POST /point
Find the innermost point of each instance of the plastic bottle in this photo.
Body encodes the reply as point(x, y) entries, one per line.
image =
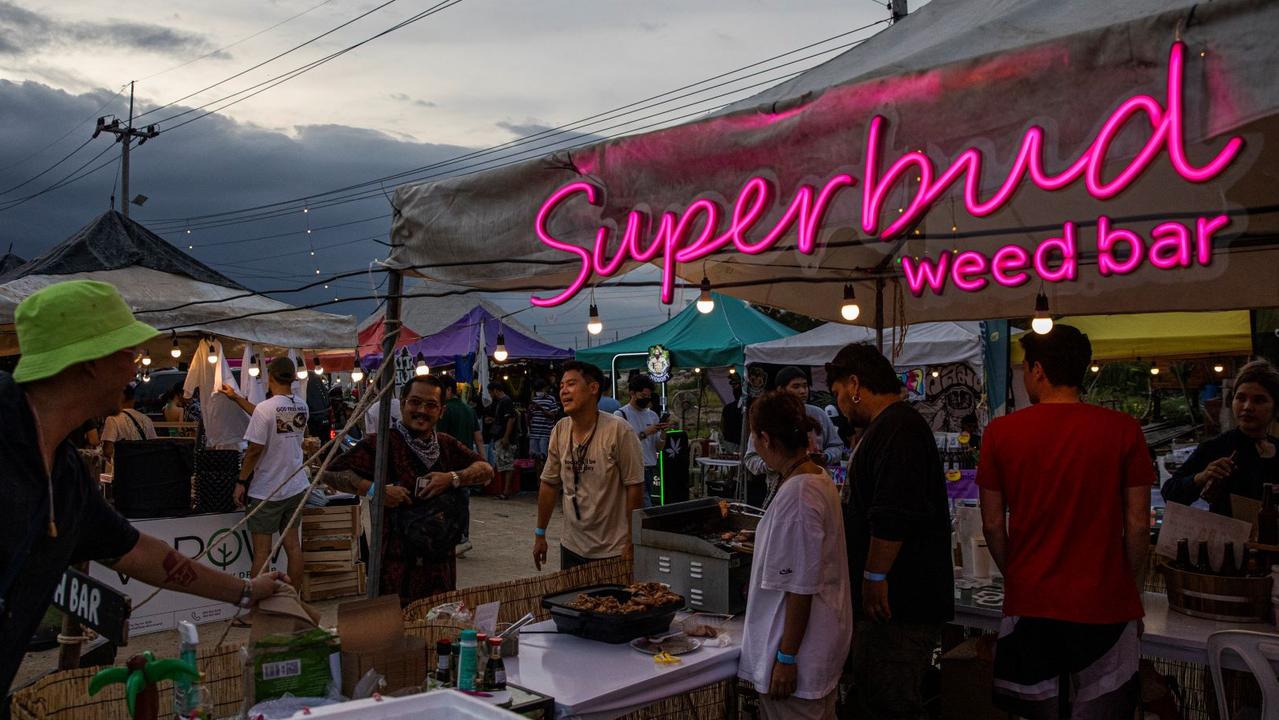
point(467, 665)
point(186, 697)
point(443, 656)
point(495, 669)
point(456, 660)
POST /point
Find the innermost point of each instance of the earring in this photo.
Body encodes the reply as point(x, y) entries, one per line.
point(857, 399)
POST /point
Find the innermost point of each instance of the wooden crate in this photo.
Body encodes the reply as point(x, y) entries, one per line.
point(331, 539)
point(323, 586)
point(340, 520)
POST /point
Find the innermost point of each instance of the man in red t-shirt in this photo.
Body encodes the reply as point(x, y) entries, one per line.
point(1075, 481)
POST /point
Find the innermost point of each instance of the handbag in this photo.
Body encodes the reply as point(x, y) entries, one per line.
point(429, 529)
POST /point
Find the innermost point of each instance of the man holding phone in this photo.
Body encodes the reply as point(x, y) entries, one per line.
point(647, 425)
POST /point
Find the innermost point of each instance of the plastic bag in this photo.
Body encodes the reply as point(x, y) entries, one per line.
point(456, 612)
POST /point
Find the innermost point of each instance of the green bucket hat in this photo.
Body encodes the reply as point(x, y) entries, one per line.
point(73, 322)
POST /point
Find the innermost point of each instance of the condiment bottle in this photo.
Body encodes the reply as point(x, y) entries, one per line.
point(495, 670)
point(444, 656)
point(481, 657)
point(455, 662)
point(467, 665)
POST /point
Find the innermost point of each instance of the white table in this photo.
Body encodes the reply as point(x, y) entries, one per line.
point(597, 681)
point(718, 462)
point(1169, 635)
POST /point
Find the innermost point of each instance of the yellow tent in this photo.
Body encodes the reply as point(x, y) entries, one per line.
point(1151, 335)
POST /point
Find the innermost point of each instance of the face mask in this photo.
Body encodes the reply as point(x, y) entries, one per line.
point(643, 403)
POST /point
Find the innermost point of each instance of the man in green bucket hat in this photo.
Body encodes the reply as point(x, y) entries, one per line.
point(80, 345)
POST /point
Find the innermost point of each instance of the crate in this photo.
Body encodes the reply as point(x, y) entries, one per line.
point(335, 521)
point(1229, 599)
point(325, 586)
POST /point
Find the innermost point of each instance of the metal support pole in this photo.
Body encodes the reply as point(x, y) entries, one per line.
point(879, 314)
point(390, 326)
point(124, 158)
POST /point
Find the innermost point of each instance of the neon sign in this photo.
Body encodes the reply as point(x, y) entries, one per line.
point(694, 233)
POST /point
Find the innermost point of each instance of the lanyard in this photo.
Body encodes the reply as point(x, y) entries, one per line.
point(577, 460)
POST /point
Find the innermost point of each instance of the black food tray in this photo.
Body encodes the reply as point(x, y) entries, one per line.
point(615, 629)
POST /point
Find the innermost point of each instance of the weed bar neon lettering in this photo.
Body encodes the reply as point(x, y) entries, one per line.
point(691, 235)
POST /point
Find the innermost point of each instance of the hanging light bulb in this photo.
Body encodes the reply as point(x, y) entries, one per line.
point(421, 368)
point(850, 309)
point(301, 368)
point(357, 372)
point(506, 377)
point(254, 370)
point(175, 352)
point(1095, 368)
point(213, 353)
point(705, 303)
point(146, 376)
point(146, 358)
point(1042, 323)
point(936, 373)
point(499, 353)
point(1154, 368)
point(1218, 368)
point(732, 371)
point(319, 368)
point(595, 326)
point(697, 370)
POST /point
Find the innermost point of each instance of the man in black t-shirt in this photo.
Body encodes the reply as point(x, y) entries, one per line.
point(897, 526)
point(79, 344)
point(499, 433)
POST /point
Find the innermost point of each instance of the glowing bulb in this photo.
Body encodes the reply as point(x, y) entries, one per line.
point(499, 353)
point(849, 310)
point(1154, 369)
point(936, 373)
point(175, 352)
point(1095, 368)
point(319, 369)
point(421, 368)
point(146, 376)
point(213, 354)
point(595, 326)
point(190, 247)
point(1219, 368)
point(301, 369)
point(506, 377)
point(317, 271)
point(146, 358)
point(254, 370)
point(705, 303)
point(732, 371)
point(357, 374)
point(697, 370)
point(1042, 324)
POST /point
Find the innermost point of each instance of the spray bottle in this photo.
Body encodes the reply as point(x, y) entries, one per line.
point(186, 696)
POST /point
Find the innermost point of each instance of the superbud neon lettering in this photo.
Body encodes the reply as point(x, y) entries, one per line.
point(694, 233)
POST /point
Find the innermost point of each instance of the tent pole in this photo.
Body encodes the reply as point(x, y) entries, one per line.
point(390, 328)
point(879, 314)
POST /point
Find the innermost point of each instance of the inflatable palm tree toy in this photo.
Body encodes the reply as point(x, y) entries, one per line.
point(140, 677)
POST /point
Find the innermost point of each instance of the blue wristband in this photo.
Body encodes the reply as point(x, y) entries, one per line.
point(372, 487)
point(540, 532)
point(785, 659)
point(874, 577)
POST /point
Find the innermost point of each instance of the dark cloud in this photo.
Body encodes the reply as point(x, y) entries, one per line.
point(401, 97)
point(24, 32)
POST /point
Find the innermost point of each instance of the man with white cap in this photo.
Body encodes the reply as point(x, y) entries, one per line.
point(80, 345)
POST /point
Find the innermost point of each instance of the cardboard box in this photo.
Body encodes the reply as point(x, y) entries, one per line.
point(374, 639)
point(967, 680)
point(288, 653)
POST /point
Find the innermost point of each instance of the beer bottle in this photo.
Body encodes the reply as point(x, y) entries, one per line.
point(1228, 566)
point(1202, 563)
point(1252, 566)
point(1183, 555)
point(1268, 518)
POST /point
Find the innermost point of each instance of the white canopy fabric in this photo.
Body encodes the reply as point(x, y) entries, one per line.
point(954, 76)
point(924, 344)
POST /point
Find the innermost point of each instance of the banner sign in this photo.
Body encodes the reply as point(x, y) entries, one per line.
point(659, 364)
point(95, 605)
point(189, 536)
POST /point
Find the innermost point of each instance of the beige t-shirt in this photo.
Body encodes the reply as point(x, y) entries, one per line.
point(612, 461)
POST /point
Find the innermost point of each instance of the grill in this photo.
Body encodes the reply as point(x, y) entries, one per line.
point(680, 545)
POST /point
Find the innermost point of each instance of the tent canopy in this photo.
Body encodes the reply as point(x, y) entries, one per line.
point(955, 80)
point(10, 262)
point(169, 290)
point(716, 339)
point(1128, 337)
point(936, 343)
point(462, 338)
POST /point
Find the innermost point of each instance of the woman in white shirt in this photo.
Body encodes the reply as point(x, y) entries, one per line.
point(799, 621)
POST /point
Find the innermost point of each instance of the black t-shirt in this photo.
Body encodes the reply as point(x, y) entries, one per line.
point(1252, 471)
point(496, 417)
point(88, 528)
point(897, 492)
point(731, 423)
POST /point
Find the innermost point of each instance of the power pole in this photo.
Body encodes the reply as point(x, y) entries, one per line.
point(898, 9)
point(124, 136)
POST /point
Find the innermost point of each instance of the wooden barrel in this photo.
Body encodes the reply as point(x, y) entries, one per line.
point(1230, 599)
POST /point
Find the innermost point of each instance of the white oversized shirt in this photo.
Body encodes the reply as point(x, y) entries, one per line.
point(799, 548)
point(278, 425)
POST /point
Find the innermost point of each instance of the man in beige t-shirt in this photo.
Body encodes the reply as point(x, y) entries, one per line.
point(595, 469)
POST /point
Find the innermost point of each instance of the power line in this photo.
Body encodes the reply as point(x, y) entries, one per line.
point(64, 135)
point(66, 180)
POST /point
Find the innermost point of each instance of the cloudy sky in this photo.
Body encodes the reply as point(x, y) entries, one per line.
point(469, 76)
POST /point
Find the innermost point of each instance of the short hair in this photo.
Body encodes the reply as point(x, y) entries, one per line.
point(873, 370)
point(591, 372)
point(641, 382)
point(500, 387)
point(784, 417)
point(1262, 373)
point(539, 385)
point(1063, 352)
point(788, 375)
point(434, 381)
point(129, 391)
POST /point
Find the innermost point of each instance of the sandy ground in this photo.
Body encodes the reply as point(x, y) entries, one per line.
point(502, 535)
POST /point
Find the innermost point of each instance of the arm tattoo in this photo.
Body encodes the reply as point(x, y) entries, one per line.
point(179, 571)
point(342, 480)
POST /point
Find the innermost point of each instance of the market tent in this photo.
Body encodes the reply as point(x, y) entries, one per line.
point(170, 290)
point(1152, 335)
point(10, 262)
point(716, 339)
point(954, 76)
point(923, 344)
point(463, 337)
point(429, 308)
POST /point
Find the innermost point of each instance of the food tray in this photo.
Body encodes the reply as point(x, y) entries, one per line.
point(615, 629)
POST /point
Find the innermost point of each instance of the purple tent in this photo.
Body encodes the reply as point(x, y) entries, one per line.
point(462, 338)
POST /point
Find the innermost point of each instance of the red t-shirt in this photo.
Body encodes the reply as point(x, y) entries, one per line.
point(1063, 470)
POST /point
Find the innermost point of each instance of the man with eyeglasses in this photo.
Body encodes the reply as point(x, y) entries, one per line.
point(79, 344)
point(424, 489)
point(595, 469)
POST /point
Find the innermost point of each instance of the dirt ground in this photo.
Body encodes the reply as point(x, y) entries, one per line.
point(502, 535)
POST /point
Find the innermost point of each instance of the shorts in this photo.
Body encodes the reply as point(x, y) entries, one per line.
point(539, 446)
point(793, 708)
point(1096, 664)
point(273, 517)
point(501, 458)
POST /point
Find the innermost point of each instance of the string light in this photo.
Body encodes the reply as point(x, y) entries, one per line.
point(1095, 368)
point(422, 368)
point(319, 368)
point(595, 326)
point(732, 371)
point(175, 352)
point(499, 353)
point(357, 372)
point(301, 368)
point(213, 353)
point(936, 373)
point(254, 369)
point(146, 376)
point(1154, 368)
point(705, 303)
point(1042, 323)
point(849, 310)
point(1218, 368)
point(697, 370)
point(146, 358)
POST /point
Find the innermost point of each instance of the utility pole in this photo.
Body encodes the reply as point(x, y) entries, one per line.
point(124, 136)
point(898, 9)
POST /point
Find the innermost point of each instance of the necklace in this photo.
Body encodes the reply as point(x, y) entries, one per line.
point(794, 466)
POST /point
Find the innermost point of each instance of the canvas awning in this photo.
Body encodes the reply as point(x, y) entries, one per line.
point(1156, 335)
point(695, 340)
point(462, 338)
point(924, 344)
point(951, 77)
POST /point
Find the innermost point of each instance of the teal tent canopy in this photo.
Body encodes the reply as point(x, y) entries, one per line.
point(716, 339)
